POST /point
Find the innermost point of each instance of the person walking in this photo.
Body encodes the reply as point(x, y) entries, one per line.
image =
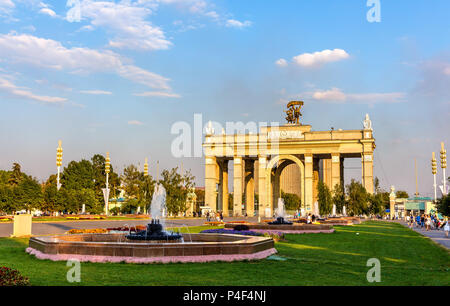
point(411, 222)
point(427, 222)
point(446, 227)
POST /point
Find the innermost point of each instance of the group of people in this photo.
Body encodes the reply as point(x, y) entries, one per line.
point(429, 222)
point(214, 216)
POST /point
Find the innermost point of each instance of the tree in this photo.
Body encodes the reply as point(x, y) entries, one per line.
point(131, 180)
point(339, 198)
point(28, 194)
point(16, 175)
point(401, 194)
point(357, 198)
point(324, 199)
point(99, 176)
point(376, 205)
point(50, 194)
point(291, 201)
point(78, 175)
point(443, 206)
point(177, 188)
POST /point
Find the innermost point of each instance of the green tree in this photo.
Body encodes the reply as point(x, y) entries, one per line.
point(99, 176)
point(291, 201)
point(401, 194)
point(131, 180)
point(339, 198)
point(78, 175)
point(28, 194)
point(324, 199)
point(443, 206)
point(357, 198)
point(15, 176)
point(177, 187)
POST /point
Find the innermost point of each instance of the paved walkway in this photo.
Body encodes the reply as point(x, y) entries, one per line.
point(435, 235)
point(49, 228)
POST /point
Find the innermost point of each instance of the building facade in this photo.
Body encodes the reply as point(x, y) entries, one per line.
point(260, 160)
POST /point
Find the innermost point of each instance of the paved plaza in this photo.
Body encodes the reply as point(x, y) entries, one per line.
point(435, 235)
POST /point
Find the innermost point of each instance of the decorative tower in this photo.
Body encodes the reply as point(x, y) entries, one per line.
point(146, 167)
point(106, 190)
point(434, 171)
point(59, 155)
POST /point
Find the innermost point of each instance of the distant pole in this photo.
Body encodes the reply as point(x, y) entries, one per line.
point(106, 191)
point(157, 171)
point(434, 171)
point(145, 175)
point(444, 166)
point(417, 184)
point(59, 155)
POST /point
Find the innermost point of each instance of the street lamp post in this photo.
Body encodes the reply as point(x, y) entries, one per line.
point(444, 166)
point(59, 155)
point(434, 171)
point(145, 175)
point(106, 190)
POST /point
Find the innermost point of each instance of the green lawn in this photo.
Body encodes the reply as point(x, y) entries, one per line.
point(406, 257)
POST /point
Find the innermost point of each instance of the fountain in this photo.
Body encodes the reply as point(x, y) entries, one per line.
point(279, 214)
point(155, 229)
point(153, 245)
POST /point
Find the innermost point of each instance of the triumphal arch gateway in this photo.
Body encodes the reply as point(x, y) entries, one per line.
point(291, 157)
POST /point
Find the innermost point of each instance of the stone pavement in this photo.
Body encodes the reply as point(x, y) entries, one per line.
point(49, 228)
point(435, 235)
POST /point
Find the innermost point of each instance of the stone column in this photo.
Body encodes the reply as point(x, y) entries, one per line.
point(250, 197)
point(262, 185)
point(335, 170)
point(210, 182)
point(224, 188)
point(237, 185)
point(367, 171)
point(308, 196)
point(315, 178)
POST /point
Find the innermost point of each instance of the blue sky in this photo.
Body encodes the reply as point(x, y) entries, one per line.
point(120, 77)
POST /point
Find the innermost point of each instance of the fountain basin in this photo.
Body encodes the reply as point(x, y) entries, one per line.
point(116, 248)
point(295, 228)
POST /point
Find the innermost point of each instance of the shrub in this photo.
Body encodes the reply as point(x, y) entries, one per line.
point(11, 277)
point(241, 227)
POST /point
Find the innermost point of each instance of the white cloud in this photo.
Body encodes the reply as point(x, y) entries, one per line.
point(337, 95)
point(281, 62)
point(321, 57)
point(159, 94)
point(6, 6)
point(47, 11)
point(29, 49)
point(128, 24)
point(232, 23)
point(135, 122)
point(22, 92)
point(96, 92)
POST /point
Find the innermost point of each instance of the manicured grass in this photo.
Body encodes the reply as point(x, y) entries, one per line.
point(406, 257)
